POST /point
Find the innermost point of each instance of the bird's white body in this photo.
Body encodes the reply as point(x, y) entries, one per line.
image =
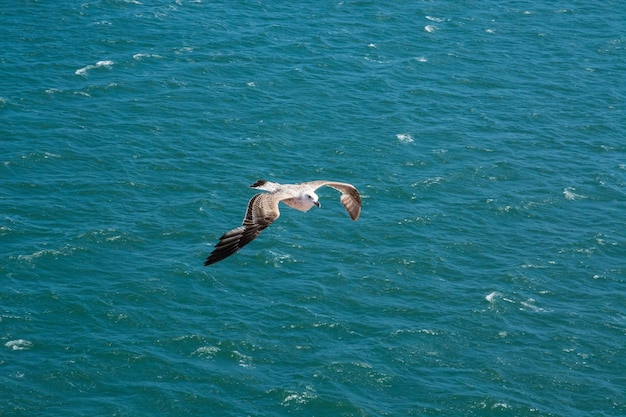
point(302, 198)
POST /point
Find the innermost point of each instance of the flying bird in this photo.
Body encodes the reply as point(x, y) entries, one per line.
point(263, 210)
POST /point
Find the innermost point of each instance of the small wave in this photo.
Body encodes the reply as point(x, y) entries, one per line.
point(140, 57)
point(494, 296)
point(99, 64)
point(55, 253)
point(569, 194)
point(529, 305)
point(244, 361)
point(280, 258)
point(435, 19)
point(490, 297)
point(430, 28)
point(206, 351)
point(405, 137)
point(299, 397)
point(428, 182)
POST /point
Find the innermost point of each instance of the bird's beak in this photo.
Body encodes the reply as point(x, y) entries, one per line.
point(317, 203)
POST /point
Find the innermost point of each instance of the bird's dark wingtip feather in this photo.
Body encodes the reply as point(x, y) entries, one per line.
point(220, 253)
point(232, 241)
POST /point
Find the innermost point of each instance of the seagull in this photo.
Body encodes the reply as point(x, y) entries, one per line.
point(263, 210)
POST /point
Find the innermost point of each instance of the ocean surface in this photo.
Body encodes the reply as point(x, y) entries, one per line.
point(485, 277)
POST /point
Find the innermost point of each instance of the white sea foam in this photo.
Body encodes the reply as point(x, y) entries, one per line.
point(435, 19)
point(19, 344)
point(430, 181)
point(206, 351)
point(430, 28)
point(490, 297)
point(494, 296)
point(244, 361)
point(38, 254)
point(300, 397)
point(99, 64)
point(65, 250)
point(404, 137)
point(139, 57)
point(569, 194)
point(530, 305)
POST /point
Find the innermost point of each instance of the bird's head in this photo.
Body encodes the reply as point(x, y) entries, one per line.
point(312, 199)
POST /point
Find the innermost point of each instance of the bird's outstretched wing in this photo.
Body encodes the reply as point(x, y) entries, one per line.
point(350, 197)
point(262, 211)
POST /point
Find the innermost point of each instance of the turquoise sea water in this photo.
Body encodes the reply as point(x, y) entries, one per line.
point(485, 277)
